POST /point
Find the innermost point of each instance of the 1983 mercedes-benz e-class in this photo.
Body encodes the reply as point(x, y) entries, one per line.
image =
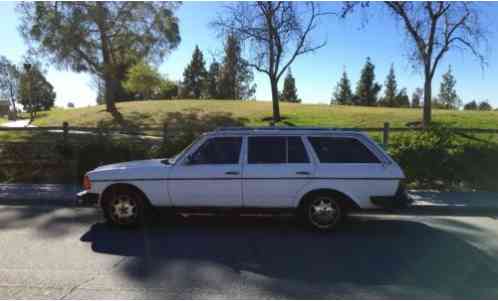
point(320, 174)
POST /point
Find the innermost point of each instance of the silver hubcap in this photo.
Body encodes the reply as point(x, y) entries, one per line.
point(323, 212)
point(123, 209)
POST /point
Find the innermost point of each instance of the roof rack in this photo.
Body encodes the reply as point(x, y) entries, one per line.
point(275, 128)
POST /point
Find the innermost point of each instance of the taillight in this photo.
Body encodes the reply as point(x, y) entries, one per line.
point(87, 185)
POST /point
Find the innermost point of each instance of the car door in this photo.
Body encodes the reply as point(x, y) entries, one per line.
point(210, 176)
point(276, 168)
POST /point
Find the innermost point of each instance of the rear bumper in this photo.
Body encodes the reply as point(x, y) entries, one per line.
point(400, 200)
point(87, 198)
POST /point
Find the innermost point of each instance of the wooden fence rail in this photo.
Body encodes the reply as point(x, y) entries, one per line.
point(66, 129)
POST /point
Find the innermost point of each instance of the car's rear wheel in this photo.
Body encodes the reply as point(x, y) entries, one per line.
point(322, 212)
point(124, 208)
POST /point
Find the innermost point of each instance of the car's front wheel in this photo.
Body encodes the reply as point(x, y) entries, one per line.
point(322, 212)
point(124, 208)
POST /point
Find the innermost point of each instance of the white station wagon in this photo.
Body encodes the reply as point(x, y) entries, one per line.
point(320, 174)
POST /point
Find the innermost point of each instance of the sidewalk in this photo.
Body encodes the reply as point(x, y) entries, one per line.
point(17, 123)
point(452, 203)
point(39, 194)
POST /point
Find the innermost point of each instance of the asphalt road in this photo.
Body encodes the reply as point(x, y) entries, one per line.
point(56, 252)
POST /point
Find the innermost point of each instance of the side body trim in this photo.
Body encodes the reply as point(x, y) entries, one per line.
point(224, 179)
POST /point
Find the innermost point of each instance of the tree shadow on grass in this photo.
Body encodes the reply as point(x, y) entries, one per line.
point(131, 121)
point(426, 262)
point(185, 120)
point(283, 120)
point(198, 120)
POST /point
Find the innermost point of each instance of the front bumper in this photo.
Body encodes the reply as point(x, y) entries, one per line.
point(87, 198)
point(400, 200)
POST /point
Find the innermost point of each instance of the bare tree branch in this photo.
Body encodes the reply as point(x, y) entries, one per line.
point(276, 34)
point(435, 29)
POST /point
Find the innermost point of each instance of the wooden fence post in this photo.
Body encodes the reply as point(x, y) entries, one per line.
point(385, 139)
point(65, 131)
point(165, 133)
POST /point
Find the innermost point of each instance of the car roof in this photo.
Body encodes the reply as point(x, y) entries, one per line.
point(284, 131)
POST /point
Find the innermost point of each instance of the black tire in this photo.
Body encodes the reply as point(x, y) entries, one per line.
point(322, 212)
point(125, 208)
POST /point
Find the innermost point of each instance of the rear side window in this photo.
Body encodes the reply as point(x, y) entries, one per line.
point(341, 150)
point(274, 150)
point(224, 150)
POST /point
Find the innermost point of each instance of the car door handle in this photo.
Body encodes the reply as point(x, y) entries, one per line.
point(233, 173)
point(302, 173)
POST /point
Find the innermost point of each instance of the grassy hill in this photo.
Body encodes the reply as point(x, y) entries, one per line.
point(252, 113)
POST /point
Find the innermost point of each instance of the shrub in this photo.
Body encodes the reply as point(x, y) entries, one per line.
point(439, 158)
point(426, 156)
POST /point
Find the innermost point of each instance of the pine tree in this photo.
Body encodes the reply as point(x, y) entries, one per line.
point(417, 97)
point(402, 99)
point(213, 79)
point(448, 98)
point(342, 94)
point(391, 90)
point(471, 106)
point(236, 76)
point(289, 92)
point(485, 106)
point(195, 76)
point(367, 89)
point(35, 92)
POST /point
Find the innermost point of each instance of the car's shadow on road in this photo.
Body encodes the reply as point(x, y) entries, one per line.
point(365, 251)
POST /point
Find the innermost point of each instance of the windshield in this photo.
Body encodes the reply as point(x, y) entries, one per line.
point(180, 154)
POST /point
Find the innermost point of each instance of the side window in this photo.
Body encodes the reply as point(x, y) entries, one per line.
point(277, 149)
point(266, 150)
point(222, 150)
point(341, 150)
point(296, 152)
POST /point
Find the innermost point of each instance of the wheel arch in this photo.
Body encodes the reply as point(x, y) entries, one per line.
point(343, 197)
point(122, 186)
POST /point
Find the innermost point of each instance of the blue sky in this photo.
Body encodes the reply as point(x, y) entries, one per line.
point(348, 44)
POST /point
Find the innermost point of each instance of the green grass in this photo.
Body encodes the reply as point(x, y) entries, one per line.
point(252, 113)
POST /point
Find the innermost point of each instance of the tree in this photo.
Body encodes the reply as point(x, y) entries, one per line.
point(402, 99)
point(213, 79)
point(367, 89)
point(167, 89)
point(70, 105)
point(9, 82)
point(342, 94)
point(485, 106)
point(434, 28)
point(195, 76)
point(102, 38)
point(289, 92)
point(236, 76)
point(35, 92)
point(417, 97)
point(276, 33)
point(448, 98)
point(143, 80)
point(471, 106)
point(391, 90)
